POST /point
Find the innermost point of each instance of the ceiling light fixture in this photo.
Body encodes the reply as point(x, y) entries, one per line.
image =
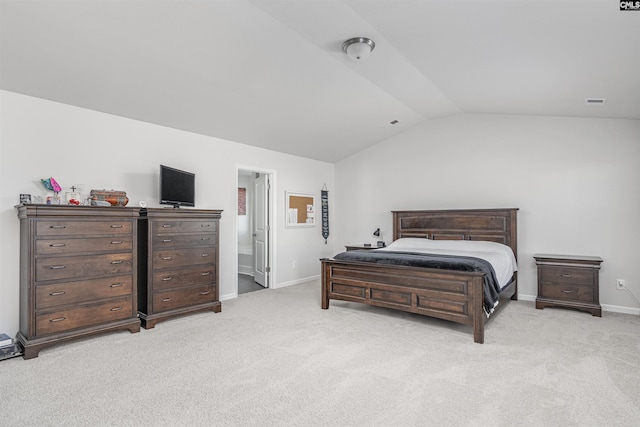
point(358, 48)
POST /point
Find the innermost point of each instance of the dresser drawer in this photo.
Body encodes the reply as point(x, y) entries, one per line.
point(568, 292)
point(566, 275)
point(179, 227)
point(59, 294)
point(76, 267)
point(93, 244)
point(163, 301)
point(70, 228)
point(183, 257)
point(82, 316)
point(161, 242)
point(170, 279)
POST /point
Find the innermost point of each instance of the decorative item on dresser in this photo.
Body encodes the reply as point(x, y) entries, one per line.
point(178, 271)
point(441, 292)
point(77, 273)
point(569, 281)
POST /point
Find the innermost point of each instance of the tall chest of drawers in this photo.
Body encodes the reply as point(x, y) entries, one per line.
point(77, 273)
point(179, 251)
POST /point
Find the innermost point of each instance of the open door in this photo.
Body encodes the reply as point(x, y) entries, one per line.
point(261, 230)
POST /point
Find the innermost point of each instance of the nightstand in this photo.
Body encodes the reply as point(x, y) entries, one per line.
point(569, 281)
point(357, 247)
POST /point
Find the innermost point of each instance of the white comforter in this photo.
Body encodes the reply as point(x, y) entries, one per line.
point(500, 256)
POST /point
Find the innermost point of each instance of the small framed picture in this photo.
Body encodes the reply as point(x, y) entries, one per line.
point(25, 199)
point(76, 197)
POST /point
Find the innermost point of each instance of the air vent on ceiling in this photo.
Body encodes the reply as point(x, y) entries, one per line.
point(391, 123)
point(595, 101)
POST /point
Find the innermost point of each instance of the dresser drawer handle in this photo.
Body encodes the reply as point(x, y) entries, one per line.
point(205, 293)
point(167, 225)
point(117, 242)
point(166, 279)
point(59, 319)
point(116, 225)
point(166, 240)
point(205, 255)
point(57, 267)
point(116, 308)
point(57, 245)
point(205, 238)
point(115, 285)
point(566, 275)
point(205, 225)
point(57, 226)
point(117, 261)
point(166, 299)
point(55, 294)
point(167, 258)
point(206, 273)
point(568, 291)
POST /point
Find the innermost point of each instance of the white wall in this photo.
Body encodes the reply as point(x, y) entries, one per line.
point(40, 139)
point(575, 181)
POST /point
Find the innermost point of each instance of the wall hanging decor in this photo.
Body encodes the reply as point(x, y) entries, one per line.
point(324, 198)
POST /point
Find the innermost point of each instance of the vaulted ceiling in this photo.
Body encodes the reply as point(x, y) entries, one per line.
point(271, 73)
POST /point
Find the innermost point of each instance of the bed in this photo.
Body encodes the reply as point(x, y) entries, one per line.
point(430, 288)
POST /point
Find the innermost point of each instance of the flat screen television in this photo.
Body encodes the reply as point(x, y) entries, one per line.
point(177, 187)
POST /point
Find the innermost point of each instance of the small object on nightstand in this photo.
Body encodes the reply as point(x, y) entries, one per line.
point(357, 247)
point(569, 281)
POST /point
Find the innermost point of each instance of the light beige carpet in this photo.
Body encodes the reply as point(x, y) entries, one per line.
point(274, 358)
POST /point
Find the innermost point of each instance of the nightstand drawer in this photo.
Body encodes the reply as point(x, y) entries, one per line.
point(567, 275)
point(568, 292)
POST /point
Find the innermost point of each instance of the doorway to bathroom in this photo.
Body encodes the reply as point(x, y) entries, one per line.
point(254, 230)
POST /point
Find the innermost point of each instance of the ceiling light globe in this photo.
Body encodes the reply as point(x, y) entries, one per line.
point(358, 48)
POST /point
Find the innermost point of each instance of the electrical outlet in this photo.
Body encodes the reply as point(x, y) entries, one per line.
point(620, 284)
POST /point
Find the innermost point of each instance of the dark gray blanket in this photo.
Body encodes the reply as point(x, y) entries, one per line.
point(443, 262)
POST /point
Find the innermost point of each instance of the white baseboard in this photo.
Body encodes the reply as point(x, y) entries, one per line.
point(245, 269)
point(526, 297)
point(296, 282)
point(228, 296)
point(619, 309)
point(605, 307)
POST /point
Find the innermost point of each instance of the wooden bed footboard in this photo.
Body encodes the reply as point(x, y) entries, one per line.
point(448, 295)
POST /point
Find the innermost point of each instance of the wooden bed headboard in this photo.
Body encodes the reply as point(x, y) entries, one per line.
point(496, 225)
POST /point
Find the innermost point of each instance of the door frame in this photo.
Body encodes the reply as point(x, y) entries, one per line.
point(273, 219)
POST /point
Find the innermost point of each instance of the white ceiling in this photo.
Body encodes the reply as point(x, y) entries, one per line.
point(271, 73)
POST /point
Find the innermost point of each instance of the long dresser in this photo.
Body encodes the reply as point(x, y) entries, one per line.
point(78, 273)
point(178, 271)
